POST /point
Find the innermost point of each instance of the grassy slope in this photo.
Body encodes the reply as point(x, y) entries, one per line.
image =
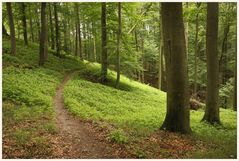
point(28, 116)
point(133, 111)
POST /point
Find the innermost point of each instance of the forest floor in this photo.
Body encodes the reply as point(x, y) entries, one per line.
point(82, 140)
point(62, 111)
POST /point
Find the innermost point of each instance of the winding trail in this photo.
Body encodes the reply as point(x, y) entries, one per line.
point(81, 140)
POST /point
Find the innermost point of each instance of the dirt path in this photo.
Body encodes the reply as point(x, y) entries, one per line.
point(81, 140)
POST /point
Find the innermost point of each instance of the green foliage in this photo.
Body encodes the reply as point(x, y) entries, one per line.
point(21, 137)
point(118, 136)
point(140, 110)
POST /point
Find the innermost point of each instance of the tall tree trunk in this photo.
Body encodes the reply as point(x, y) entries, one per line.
point(46, 39)
point(235, 82)
point(12, 29)
point(163, 70)
point(38, 25)
point(57, 31)
point(51, 28)
point(84, 38)
point(177, 117)
point(31, 26)
point(42, 35)
point(118, 46)
point(196, 52)
point(79, 32)
point(142, 58)
point(94, 41)
point(104, 62)
point(24, 22)
point(160, 50)
point(76, 40)
point(212, 110)
point(186, 34)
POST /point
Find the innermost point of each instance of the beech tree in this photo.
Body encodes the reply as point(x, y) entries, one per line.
point(12, 28)
point(43, 35)
point(57, 31)
point(24, 22)
point(177, 116)
point(212, 109)
point(118, 45)
point(104, 62)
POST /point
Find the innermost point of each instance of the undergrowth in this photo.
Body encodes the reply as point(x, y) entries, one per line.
point(129, 113)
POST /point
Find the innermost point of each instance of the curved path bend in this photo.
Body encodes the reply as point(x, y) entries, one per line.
point(82, 141)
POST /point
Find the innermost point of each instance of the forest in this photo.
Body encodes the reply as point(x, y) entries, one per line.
point(119, 80)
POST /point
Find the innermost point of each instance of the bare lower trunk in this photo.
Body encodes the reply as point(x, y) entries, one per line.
point(57, 31)
point(42, 35)
point(118, 46)
point(104, 62)
point(177, 117)
point(212, 110)
point(12, 29)
point(24, 23)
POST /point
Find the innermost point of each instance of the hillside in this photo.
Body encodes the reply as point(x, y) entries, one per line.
point(127, 118)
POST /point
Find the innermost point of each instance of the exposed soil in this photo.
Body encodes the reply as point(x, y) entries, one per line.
point(80, 137)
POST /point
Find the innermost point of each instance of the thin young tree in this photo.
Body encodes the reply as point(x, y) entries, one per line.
point(196, 50)
point(118, 46)
point(160, 48)
point(104, 62)
point(42, 35)
point(12, 29)
point(235, 82)
point(57, 30)
point(51, 28)
point(177, 116)
point(31, 23)
point(212, 110)
point(79, 31)
point(76, 39)
point(24, 22)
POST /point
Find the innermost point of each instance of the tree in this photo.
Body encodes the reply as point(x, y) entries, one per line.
point(118, 45)
point(57, 30)
point(12, 29)
point(196, 50)
point(177, 117)
point(79, 31)
point(51, 28)
point(104, 62)
point(160, 48)
point(42, 48)
point(31, 25)
point(212, 110)
point(24, 22)
point(235, 83)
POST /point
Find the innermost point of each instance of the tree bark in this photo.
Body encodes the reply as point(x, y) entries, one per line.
point(51, 28)
point(160, 50)
point(196, 52)
point(235, 83)
point(79, 32)
point(76, 40)
point(31, 26)
point(212, 110)
point(57, 31)
point(177, 117)
point(118, 46)
point(24, 23)
point(12, 29)
point(42, 35)
point(104, 62)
